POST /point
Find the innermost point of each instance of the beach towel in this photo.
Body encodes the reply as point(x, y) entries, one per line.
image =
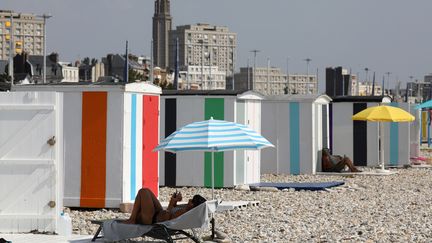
point(310, 186)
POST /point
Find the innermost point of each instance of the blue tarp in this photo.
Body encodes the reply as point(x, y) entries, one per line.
point(311, 186)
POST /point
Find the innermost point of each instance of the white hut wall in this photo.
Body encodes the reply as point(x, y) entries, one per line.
point(229, 170)
point(194, 168)
point(415, 130)
point(141, 136)
point(190, 164)
point(240, 163)
point(253, 157)
point(93, 131)
point(356, 139)
point(291, 127)
point(72, 152)
point(31, 168)
point(306, 137)
point(320, 136)
point(269, 121)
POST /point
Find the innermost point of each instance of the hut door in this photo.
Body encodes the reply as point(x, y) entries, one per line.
point(150, 163)
point(30, 154)
point(253, 120)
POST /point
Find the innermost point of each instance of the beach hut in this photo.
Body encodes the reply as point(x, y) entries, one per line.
point(415, 131)
point(179, 108)
point(110, 131)
point(298, 127)
point(31, 161)
point(359, 139)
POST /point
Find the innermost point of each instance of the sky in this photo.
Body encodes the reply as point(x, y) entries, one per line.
point(384, 36)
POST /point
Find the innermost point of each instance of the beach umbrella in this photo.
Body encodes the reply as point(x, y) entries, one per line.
point(383, 113)
point(426, 104)
point(213, 136)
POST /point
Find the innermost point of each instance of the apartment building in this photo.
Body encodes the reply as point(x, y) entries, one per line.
point(203, 45)
point(203, 78)
point(26, 30)
point(272, 81)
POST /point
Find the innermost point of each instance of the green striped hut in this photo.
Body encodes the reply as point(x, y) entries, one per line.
point(181, 107)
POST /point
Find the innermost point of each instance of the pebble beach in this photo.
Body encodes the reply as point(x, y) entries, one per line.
point(392, 208)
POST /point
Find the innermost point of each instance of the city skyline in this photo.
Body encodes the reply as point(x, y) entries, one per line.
point(385, 36)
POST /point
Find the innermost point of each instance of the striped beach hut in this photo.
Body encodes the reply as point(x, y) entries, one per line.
point(297, 126)
point(359, 139)
point(110, 131)
point(179, 108)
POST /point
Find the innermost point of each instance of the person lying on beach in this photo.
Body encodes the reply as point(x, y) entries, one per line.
point(148, 210)
point(336, 163)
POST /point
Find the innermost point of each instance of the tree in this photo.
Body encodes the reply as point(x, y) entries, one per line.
point(86, 61)
point(94, 61)
point(134, 75)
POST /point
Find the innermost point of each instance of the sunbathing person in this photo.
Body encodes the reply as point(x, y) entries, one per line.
point(148, 210)
point(336, 163)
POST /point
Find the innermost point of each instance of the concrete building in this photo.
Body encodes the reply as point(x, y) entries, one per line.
point(29, 68)
point(54, 73)
point(428, 78)
point(204, 45)
point(114, 65)
point(365, 89)
point(203, 78)
point(27, 30)
point(98, 70)
point(417, 92)
point(69, 72)
point(338, 81)
point(161, 27)
point(272, 81)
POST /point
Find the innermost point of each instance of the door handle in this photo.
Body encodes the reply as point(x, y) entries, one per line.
point(51, 141)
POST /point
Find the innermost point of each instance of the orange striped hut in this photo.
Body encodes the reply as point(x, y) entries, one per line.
point(110, 132)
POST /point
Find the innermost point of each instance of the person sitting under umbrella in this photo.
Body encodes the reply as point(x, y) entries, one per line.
point(148, 210)
point(336, 163)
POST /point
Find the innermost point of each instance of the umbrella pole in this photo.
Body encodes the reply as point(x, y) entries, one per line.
point(381, 132)
point(212, 220)
point(212, 175)
point(381, 144)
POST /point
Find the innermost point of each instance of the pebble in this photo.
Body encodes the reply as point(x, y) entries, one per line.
point(395, 208)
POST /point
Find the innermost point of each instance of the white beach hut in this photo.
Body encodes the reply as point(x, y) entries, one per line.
point(297, 126)
point(179, 108)
point(110, 131)
point(359, 139)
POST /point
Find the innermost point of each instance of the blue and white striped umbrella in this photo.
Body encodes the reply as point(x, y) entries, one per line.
point(213, 135)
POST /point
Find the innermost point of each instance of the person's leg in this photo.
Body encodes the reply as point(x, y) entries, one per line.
point(156, 203)
point(350, 165)
point(143, 209)
point(339, 166)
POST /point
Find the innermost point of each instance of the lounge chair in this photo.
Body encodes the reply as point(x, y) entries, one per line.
point(169, 231)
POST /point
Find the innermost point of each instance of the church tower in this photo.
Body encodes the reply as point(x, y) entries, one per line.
point(161, 27)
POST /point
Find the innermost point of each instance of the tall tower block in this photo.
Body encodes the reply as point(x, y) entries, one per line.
point(162, 21)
